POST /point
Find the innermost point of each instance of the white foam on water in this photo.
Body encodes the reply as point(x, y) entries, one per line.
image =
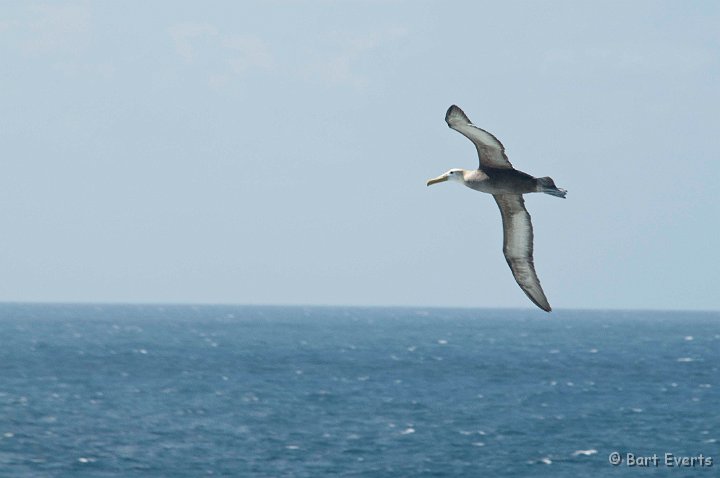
point(685, 359)
point(689, 337)
point(292, 447)
point(407, 431)
point(589, 452)
point(546, 460)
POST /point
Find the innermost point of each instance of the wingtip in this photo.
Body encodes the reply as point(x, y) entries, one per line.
point(541, 302)
point(542, 305)
point(454, 113)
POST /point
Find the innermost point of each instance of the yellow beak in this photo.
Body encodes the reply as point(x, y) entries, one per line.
point(438, 179)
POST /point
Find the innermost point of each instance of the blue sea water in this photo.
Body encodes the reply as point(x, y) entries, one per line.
point(182, 391)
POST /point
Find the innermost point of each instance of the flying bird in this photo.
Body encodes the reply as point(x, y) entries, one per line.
point(497, 176)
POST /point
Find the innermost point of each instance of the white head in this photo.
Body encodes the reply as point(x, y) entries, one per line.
point(455, 174)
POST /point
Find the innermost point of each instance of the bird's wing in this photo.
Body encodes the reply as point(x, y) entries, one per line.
point(518, 246)
point(489, 148)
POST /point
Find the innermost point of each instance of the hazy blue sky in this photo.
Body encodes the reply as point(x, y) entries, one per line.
point(276, 152)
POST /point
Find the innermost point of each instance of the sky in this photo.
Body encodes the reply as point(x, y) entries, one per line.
point(276, 152)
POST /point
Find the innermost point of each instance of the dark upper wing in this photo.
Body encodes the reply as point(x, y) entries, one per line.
point(518, 246)
point(490, 150)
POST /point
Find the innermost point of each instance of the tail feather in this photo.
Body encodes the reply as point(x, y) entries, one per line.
point(547, 185)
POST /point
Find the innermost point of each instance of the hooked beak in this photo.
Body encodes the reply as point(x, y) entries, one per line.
point(438, 179)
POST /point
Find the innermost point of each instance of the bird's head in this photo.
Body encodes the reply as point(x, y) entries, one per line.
point(452, 175)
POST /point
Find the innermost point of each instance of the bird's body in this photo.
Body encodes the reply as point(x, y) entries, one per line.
point(500, 181)
point(496, 176)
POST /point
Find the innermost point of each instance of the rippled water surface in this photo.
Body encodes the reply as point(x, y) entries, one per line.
point(182, 391)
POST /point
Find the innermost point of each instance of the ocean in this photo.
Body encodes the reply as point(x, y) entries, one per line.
point(245, 391)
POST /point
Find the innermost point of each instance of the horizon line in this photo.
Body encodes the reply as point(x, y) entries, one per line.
point(346, 306)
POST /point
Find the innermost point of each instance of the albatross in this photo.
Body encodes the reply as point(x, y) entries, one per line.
point(496, 176)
